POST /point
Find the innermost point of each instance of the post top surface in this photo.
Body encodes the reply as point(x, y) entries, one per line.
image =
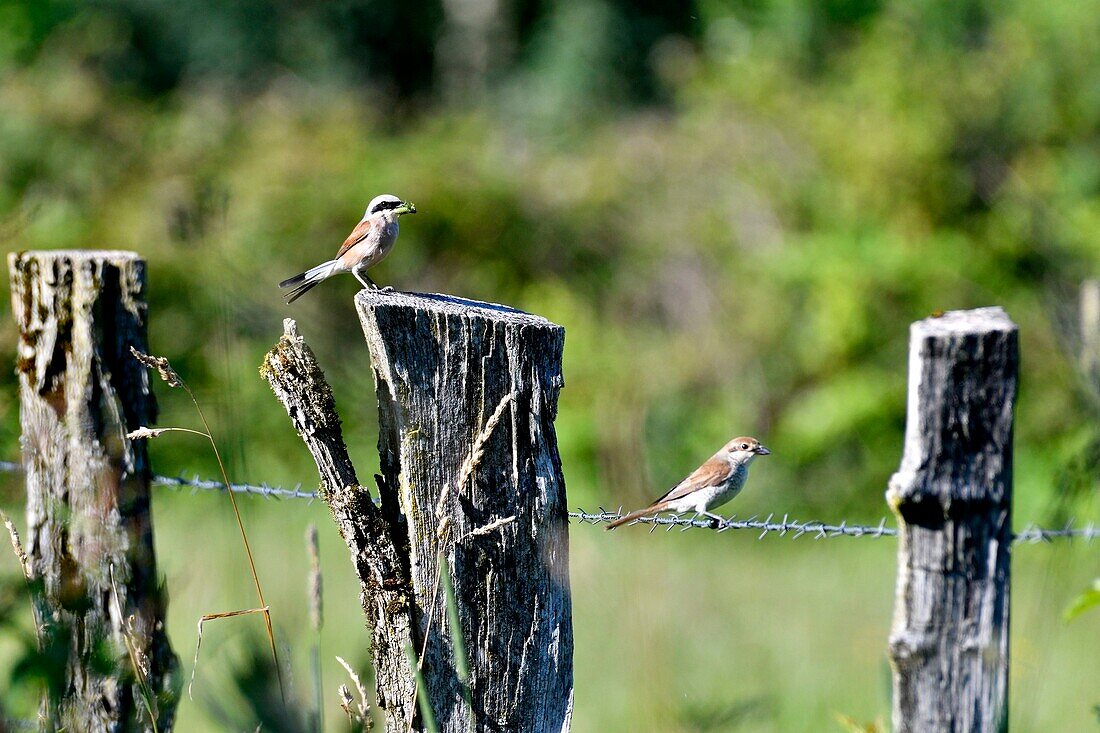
point(74, 254)
point(450, 305)
point(957, 323)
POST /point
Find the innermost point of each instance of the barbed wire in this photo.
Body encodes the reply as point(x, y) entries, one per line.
point(1030, 534)
point(766, 526)
point(265, 490)
point(818, 530)
point(197, 484)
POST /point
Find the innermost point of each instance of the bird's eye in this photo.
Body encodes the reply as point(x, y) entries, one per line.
point(744, 446)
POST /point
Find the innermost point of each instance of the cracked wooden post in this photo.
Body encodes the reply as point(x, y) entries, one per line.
point(467, 396)
point(90, 533)
point(376, 551)
point(953, 499)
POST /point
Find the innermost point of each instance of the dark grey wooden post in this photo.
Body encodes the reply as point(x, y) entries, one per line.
point(470, 473)
point(953, 499)
point(90, 533)
point(467, 396)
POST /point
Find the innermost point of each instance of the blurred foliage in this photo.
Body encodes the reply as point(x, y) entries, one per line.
point(1088, 599)
point(735, 208)
point(248, 695)
point(735, 240)
point(32, 671)
point(39, 654)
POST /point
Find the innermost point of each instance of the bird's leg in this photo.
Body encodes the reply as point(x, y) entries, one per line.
point(373, 285)
point(715, 517)
point(363, 282)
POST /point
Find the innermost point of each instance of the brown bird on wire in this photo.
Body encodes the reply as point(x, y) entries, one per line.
point(708, 487)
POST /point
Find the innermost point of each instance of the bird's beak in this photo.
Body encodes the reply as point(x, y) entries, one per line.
point(406, 207)
point(762, 451)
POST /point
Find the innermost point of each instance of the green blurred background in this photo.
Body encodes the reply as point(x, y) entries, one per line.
point(735, 208)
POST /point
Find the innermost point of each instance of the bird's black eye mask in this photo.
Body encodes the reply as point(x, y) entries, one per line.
point(383, 205)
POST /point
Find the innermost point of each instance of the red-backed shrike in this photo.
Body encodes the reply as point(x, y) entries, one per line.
point(366, 246)
point(710, 486)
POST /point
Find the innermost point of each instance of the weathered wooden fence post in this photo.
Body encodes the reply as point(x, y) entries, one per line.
point(1088, 321)
point(376, 551)
point(953, 499)
point(90, 534)
point(471, 482)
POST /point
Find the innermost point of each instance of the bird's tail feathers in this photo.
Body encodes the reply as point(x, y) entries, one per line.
point(304, 282)
point(648, 511)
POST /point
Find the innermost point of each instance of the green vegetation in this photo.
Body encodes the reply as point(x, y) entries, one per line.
point(735, 208)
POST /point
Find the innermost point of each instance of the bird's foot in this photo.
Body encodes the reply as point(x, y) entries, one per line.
point(716, 521)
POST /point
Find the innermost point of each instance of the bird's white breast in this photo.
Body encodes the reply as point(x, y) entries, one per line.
point(710, 497)
point(380, 241)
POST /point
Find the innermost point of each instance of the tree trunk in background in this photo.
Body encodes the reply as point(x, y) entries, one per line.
point(953, 499)
point(90, 534)
point(1089, 326)
point(475, 41)
point(467, 396)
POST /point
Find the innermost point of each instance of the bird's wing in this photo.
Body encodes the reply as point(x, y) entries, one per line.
point(711, 473)
point(357, 235)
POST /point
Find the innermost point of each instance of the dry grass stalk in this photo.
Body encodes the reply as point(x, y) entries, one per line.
point(17, 545)
point(169, 375)
point(214, 617)
point(358, 712)
point(138, 661)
